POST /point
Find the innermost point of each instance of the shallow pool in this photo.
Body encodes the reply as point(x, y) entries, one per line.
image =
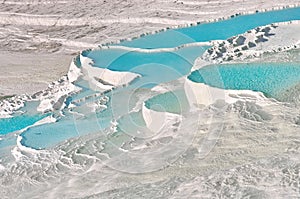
point(8, 125)
point(155, 68)
point(172, 102)
point(270, 78)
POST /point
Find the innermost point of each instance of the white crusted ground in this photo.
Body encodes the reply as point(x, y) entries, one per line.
point(255, 43)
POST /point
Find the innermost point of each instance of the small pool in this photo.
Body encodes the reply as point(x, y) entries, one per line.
point(272, 79)
point(155, 67)
point(172, 102)
point(8, 125)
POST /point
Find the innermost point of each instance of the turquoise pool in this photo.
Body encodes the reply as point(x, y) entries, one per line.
point(155, 67)
point(172, 102)
point(8, 125)
point(270, 78)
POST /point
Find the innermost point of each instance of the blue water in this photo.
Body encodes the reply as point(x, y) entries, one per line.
point(172, 102)
point(8, 125)
point(154, 67)
point(69, 125)
point(85, 91)
point(157, 68)
point(46, 136)
point(270, 78)
point(131, 123)
point(212, 31)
